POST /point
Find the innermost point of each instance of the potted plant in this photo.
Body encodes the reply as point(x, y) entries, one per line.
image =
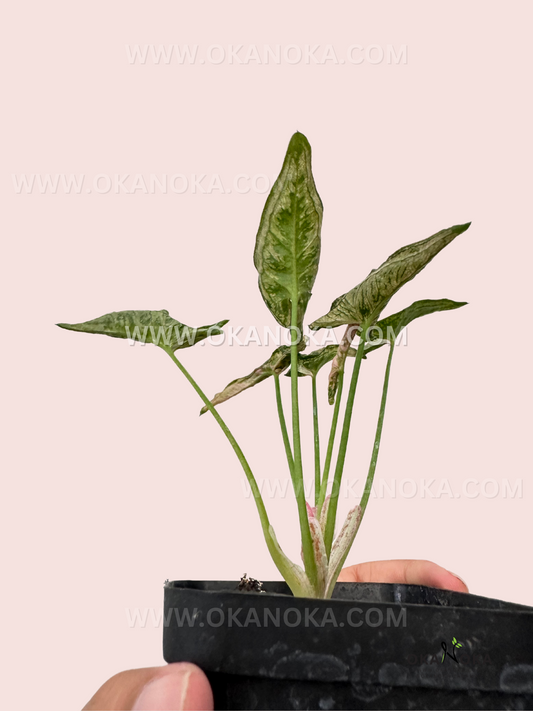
point(310, 642)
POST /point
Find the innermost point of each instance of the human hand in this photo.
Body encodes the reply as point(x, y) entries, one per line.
point(407, 572)
point(185, 686)
point(170, 688)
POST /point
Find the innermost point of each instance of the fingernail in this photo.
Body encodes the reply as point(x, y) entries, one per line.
point(459, 578)
point(165, 693)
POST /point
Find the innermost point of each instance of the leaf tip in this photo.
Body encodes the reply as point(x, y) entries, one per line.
point(462, 228)
point(299, 143)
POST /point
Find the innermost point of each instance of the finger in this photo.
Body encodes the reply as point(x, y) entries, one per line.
point(170, 688)
point(408, 572)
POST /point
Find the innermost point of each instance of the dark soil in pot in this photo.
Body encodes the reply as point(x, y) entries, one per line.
point(373, 646)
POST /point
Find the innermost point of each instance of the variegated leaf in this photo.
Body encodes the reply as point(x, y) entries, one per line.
point(156, 327)
point(276, 364)
point(287, 248)
point(311, 363)
point(364, 303)
point(388, 329)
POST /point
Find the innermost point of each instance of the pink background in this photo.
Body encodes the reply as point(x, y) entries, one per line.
point(111, 481)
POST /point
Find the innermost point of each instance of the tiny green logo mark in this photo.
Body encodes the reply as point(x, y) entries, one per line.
point(455, 645)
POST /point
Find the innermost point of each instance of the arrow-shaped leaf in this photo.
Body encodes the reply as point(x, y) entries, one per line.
point(276, 364)
point(364, 303)
point(287, 248)
point(388, 329)
point(156, 327)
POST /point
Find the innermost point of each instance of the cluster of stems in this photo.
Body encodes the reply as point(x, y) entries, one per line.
point(294, 451)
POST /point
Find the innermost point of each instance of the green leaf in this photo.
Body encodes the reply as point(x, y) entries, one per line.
point(155, 327)
point(458, 645)
point(287, 248)
point(311, 363)
point(388, 329)
point(277, 363)
point(364, 303)
point(454, 641)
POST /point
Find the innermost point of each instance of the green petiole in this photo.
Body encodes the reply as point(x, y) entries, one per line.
point(316, 438)
point(298, 479)
point(332, 509)
point(377, 439)
point(331, 443)
point(283, 425)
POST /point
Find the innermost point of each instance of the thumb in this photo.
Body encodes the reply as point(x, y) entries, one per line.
point(170, 688)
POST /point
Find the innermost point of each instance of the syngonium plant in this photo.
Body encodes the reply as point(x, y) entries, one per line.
point(286, 256)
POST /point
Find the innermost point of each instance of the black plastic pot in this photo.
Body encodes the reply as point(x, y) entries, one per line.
point(373, 646)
